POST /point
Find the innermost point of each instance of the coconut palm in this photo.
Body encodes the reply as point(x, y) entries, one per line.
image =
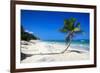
point(70, 28)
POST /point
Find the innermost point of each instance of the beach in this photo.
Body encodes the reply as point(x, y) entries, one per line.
point(41, 51)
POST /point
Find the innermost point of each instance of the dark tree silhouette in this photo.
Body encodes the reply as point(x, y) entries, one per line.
point(26, 36)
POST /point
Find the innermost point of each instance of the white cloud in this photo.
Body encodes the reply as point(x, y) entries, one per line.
point(29, 31)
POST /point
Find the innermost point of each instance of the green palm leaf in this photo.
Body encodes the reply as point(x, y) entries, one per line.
point(77, 25)
point(76, 29)
point(63, 30)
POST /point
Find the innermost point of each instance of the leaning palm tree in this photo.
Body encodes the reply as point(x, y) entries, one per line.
point(70, 28)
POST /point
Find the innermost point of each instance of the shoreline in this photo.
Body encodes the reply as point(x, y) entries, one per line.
point(44, 52)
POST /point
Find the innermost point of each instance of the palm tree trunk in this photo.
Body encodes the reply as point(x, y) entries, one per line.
point(70, 38)
point(67, 47)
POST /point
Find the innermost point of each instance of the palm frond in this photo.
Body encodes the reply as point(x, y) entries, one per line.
point(63, 30)
point(73, 19)
point(69, 23)
point(77, 25)
point(76, 29)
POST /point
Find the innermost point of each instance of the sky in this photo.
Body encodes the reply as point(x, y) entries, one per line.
point(46, 24)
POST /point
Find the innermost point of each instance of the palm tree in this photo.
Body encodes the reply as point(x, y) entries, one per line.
point(71, 27)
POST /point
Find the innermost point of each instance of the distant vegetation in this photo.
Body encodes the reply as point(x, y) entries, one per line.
point(27, 36)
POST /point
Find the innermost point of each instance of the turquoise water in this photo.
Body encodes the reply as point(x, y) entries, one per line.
point(83, 44)
point(79, 44)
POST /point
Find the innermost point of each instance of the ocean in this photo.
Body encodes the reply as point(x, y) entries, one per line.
point(79, 44)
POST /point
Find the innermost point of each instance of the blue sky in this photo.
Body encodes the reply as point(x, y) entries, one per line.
point(46, 24)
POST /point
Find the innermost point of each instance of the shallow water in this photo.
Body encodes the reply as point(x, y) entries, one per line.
point(79, 44)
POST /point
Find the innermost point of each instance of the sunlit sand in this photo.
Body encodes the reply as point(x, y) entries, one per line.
point(40, 51)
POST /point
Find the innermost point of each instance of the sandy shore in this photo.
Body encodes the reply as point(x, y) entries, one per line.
point(40, 51)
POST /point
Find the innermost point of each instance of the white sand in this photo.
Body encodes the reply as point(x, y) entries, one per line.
point(36, 48)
